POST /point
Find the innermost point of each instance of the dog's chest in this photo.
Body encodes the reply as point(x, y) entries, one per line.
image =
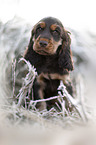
point(48, 65)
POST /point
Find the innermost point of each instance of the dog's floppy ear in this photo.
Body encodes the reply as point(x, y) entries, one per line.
point(30, 46)
point(65, 56)
point(31, 39)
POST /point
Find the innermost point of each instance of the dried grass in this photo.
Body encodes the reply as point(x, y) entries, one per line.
point(78, 113)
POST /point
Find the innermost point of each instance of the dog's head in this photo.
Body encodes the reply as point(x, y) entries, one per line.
point(49, 38)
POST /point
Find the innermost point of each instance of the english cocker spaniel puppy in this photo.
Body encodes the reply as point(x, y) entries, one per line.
point(49, 52)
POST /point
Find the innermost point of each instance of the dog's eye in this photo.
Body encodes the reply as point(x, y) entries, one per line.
point(56, 32)
point(39, 29)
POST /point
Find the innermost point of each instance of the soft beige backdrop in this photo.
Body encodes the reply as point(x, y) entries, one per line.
point(76, 14)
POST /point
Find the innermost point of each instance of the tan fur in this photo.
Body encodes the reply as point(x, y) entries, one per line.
point(54, 26)
point(42, 24)
point(51, 76)
point(42, 105)
point(50, 49)
point(25, 51)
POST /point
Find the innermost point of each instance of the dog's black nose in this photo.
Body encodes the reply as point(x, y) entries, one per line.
point(43, 43)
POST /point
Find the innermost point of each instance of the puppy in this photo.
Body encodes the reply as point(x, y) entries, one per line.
point(49, 52)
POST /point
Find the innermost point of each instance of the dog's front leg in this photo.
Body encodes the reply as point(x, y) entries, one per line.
point(38, 91)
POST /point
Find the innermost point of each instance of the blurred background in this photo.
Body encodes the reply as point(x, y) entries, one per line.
point(74, 14)
point(17, 17)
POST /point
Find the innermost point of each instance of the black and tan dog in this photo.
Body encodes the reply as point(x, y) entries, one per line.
point(49, 52)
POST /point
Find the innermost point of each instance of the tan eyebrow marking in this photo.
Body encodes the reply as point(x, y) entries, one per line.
point(42, 24)
point(53, 27)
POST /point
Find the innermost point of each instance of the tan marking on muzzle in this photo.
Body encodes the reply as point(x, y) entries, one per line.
point(44, 39)
point(50, 49)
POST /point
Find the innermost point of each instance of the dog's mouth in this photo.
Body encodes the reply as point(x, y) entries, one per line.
point(42, 52)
